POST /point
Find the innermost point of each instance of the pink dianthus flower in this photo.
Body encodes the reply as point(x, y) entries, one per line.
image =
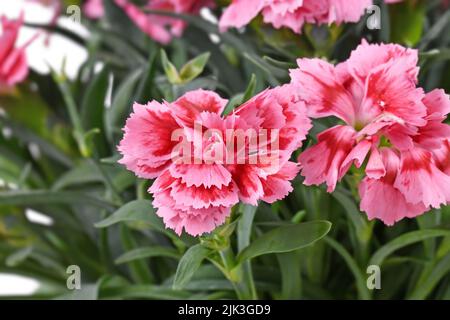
point(196, 190)
point(391, 127)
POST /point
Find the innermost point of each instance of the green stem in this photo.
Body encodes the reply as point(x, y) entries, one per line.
point(141, 190)
point(73, 114)
point(238, 276)
point(108, 181)
point(244, 232)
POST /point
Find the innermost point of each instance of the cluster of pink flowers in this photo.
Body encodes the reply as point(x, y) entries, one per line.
point(393, 132)
point(198, 197)
point(13, 61)
point(392, 129)
point(94, 9)
point(294, 14)
point(280, 13)
point(159, 28)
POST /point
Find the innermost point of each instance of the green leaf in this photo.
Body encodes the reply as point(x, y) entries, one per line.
point(272, 73)
point(290, 267)
point(233, 103)
point(405, 240)
point(286, 239)
point(241, 98)
point(169, 69)
point(193, 68)
point(424, 288)
point(122, 27)
point(27, 136)
point(146, 89)
point(93, 103)
point(244, 231)
point(140, 211)
point(139, 269)
point(362, 228)
point(84, 173)
point(188, 264)
point(361, 285)
point(18, 257)
point(111, 160)
point(147, 252)
point(407, 22)
point(144, 291)
point(435, 30)
point(250, 91)
point(121, 104)
point(280, 64)
point(27, 109)
point(44, 197)
point(432, 58)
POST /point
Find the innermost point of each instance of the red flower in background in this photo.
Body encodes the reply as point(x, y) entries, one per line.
point(293, 14)
point(13, 61)
point(159, 28)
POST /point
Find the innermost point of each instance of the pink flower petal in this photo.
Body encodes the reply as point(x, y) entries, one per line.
point(367, 57)
point(240, 13)
point(187, 109)
point(375, 168)
point(13, 61)
point(147, 144)
point(381, 200)
point(206, 175)
point(356, 156)
point(442, 157)
point(195, 222)
point(202, 197)
point(278, 186)
point(249, 183)
point(421, 181)
point(322, 162)
point(389, 90)
point(319, 85)
point(347, 10)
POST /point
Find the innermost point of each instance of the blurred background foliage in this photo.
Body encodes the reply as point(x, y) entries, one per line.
point(58, 157)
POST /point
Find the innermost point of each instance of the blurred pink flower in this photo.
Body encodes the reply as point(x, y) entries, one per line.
point(391, 127)
point(13, 60)
point(293, 14)
point(159, 28)
point(94, 9)
point(198, 195)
